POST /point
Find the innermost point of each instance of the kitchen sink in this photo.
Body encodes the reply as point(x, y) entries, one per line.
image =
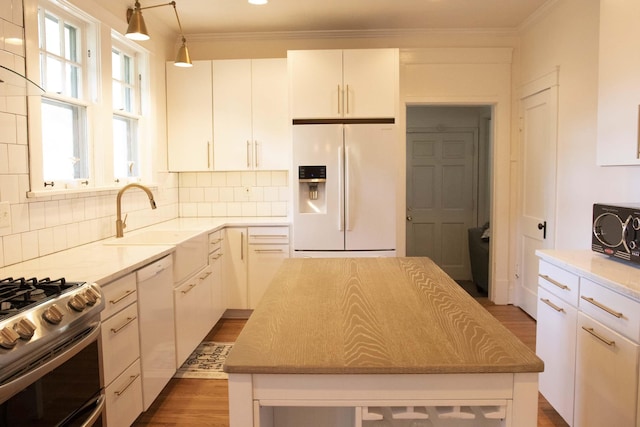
point(190, 254)
point(152, 237)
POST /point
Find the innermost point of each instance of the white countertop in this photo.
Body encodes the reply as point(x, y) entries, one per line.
point(617, 275)
point(100, 263)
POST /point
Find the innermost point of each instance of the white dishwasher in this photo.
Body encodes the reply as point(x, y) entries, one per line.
point(156, 323)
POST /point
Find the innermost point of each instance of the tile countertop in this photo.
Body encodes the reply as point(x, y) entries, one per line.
point(617, 275)
point(100, 263)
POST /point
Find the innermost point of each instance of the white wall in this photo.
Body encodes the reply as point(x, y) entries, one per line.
point(567, 36)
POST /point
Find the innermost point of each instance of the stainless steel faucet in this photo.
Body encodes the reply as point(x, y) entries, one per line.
point(120, 224)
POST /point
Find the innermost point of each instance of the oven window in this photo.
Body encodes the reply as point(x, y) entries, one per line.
point(59, 396)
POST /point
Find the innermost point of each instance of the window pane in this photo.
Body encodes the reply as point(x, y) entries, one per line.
point(125, 148)
point(52, 32)
point(128, 70)
point(55, 74)
point(73, 81)
point(115, 64)
point(71, 43)
point(63, 141)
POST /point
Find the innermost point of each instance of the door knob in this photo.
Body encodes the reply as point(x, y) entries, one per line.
point(409, 218)
point(543, 226)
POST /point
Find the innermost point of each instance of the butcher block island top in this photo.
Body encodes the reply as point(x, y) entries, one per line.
point(373, 316)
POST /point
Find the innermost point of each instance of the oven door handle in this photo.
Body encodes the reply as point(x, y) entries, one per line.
point(97, 403)
point(11, 388)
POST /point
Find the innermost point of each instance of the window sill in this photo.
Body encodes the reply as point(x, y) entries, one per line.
point(84, 191)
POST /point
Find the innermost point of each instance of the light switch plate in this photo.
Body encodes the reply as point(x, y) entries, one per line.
point(5, 214)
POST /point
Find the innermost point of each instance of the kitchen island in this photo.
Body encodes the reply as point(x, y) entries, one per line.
point(377, 341)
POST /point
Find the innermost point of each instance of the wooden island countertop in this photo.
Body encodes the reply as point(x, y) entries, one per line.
point(350, 342)
point(373, 316)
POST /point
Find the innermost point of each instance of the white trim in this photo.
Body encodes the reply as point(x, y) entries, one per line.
point(544, 82)
point(459, 55)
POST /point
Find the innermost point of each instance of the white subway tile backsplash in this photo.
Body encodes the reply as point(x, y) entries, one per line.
point(30, 245)
point(45, 241)
point(18, 159)
point(203, 179)
point(226, 194)
point(13, 38)
point(263, 178)
point(19, 218)
point(6, 10)
point(218, 179)
point(234, 179)
point(219, 209)
point(12, 246)
point(249, 209)
point(212, 194)
point(60, 238)
point(4, 158)
point(279, 178)
point(248, 179)
point(234, 209)
point(9, 188)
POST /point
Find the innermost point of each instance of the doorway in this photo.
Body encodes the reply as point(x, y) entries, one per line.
point(448, 183)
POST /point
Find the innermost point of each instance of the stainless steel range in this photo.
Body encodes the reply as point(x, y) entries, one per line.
point(49, 363)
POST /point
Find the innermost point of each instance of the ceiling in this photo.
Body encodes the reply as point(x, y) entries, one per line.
point(237, 16)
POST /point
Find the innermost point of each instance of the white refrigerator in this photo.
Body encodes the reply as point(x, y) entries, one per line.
point(344, 190)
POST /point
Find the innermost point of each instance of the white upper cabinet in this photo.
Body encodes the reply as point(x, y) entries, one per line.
point(619, 83)
point(190, 117)
point(334, 84)
point(250, 114)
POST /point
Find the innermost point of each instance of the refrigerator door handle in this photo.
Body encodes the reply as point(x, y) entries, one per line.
point(340, 189)
point(347, 190)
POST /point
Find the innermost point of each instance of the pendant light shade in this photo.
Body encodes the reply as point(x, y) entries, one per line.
point(182, 58)
point(137, 30)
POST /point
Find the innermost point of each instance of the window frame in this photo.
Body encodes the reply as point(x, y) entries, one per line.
point(97, 99)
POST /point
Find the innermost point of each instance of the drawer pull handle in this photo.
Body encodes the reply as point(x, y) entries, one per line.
point(215, 242)
point(119, 328)
point(131, 381)
point(126, 294)
point(260, 251)
point(216, 257)
point(269, 236)
point(191, 286)
point(602, 307)
point(215, 250)
point(610, 343)
point(207, 274)
point(552, 305)
point(553, 282)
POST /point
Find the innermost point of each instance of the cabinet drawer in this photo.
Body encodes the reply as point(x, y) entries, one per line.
point(118, 295)
point(606, 383)
point(616, 311)
point(124, 397)
point(119, 339)
point(259, 235)
point(215, 241)
point(559, 282)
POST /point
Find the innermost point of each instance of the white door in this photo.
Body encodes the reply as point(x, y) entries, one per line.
point(537, 191)
point(370, 196)
point(319, 223)
point(441, 189)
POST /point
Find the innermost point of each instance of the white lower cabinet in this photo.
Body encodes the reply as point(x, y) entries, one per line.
point(119, 345)
point(193, 314)
point(556, 346)
point(606, 376)
point(124, 397)
point(252, 257)
point(591, 352)
point(216, 254)
point(268, 247)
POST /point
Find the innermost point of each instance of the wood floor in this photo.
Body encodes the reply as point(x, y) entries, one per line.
point(201, 402)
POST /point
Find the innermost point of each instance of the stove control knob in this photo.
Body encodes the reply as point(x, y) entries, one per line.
point(77, 303)
point(8, 338)
point(25, 328)
point(53, 315)
point(91, 295)
point(636, 223)
point(633, 245)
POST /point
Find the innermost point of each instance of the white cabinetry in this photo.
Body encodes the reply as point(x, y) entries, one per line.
point(250, 114)
point(268, 247)
point(358, 83)
point(252, 256)
point(216, 252)
point(556, 336)
point(119, 338)
point(190, 117)
point(235, 267)
point(618, 83)
point(588, 335)
point(606, 358)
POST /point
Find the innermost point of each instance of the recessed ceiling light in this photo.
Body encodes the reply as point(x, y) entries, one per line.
point(258, 1)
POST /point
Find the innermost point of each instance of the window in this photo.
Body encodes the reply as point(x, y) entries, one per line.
point(125, 94)
point(63, 111)
point(85, 131)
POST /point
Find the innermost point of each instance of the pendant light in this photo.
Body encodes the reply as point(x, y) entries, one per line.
point(137, 30)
